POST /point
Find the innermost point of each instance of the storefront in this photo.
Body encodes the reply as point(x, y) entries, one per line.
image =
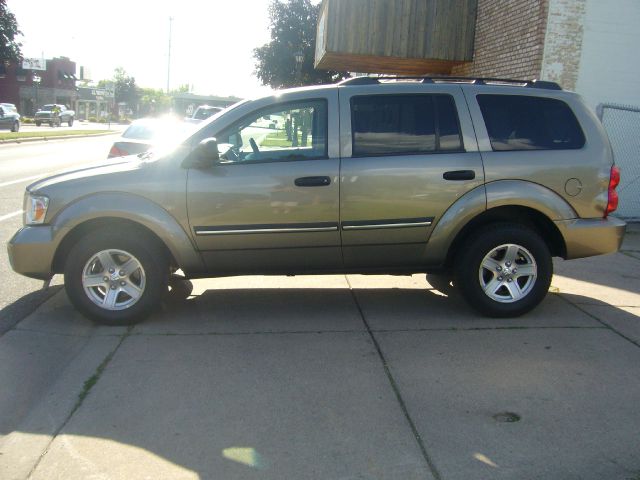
point(94, 103)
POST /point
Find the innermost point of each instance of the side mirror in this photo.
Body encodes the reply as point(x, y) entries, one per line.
point(204, 155)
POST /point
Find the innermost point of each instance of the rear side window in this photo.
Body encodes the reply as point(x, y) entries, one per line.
point(404, 125)
point(520, 122)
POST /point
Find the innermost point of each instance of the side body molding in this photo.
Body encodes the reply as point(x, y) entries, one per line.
point(464, 209)
point(136, 209)
point(501, 193)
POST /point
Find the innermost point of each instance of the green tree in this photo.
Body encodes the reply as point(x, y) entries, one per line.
point(153, 102)
point(125, 88)
point(184, 88)
point(293, 29)
point(9, 32)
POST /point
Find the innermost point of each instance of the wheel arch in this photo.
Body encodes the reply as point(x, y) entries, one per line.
point(515, 201)
point(123, 211)
point(516, 214)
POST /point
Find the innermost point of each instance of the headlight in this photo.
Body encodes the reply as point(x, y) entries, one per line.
point(36, 209)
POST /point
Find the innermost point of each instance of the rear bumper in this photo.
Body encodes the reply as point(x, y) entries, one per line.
point(593, 236)
point(31, 252)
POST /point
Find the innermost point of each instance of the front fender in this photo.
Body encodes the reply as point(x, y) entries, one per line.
point(133, 208)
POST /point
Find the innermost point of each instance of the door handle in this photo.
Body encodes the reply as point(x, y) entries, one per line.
point(312, 181)
point(459, 175)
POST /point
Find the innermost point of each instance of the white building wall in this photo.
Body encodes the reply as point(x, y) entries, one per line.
point(609, 69)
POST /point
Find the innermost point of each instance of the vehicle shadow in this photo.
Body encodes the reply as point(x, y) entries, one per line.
point(16, 311)
point(265, 383)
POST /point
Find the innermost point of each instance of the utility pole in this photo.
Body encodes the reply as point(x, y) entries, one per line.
point(169, 56)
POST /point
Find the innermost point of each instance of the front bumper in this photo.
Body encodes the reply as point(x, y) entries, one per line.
point(31, 251)
point(592, 236)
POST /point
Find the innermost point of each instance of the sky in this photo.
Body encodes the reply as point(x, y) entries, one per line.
point(212, 41)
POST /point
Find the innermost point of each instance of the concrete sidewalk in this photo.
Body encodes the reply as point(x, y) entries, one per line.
point(349, 377)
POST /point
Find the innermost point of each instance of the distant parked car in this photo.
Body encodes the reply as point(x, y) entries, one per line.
point(9, 117)
point(145, 133)
point(45, 115)
point(202, 113)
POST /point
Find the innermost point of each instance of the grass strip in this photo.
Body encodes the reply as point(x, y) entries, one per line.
point(49, 133)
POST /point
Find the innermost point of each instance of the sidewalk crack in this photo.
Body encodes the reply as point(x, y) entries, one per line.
point(395, 388)
point(86, 388)
point(602, 322)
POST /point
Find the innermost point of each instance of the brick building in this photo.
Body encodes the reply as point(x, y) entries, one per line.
point(30, 89)
point(584, 45)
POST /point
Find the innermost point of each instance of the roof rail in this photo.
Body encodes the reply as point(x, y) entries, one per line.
point(468, 80)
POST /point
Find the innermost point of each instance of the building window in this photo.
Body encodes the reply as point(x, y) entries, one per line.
point(521, 122)
point(404, 125)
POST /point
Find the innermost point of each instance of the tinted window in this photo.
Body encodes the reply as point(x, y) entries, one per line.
point(519, 122)
point(404, 124)
point(293, 131)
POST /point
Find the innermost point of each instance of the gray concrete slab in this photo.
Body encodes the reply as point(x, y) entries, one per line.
point(608, 279)
point(31, 434)
point(311, 405)
point(576, 391)
point(30, 363)
point(261, 304)
point(625, 320)
point(59, 317)
point(407, 303)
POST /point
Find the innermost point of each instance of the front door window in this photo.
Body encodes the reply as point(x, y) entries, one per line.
point(289, 132)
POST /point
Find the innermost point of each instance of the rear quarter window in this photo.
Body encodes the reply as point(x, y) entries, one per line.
point(522, 122)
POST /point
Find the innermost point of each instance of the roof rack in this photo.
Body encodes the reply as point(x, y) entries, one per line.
point(466, 80)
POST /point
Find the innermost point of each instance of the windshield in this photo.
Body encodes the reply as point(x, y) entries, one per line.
point(47, 108)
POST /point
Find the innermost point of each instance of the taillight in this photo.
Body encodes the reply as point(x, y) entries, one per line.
point(614, 180)
point(117, 152)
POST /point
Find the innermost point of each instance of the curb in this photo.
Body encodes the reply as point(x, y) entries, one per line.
point(61, 137)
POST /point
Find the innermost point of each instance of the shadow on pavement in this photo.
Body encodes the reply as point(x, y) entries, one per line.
point(24, 306)
point(286, 383)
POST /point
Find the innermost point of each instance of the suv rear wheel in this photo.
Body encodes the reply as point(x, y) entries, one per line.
point(504, 270)
point(115, 279)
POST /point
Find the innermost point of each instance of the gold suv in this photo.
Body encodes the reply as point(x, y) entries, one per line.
point(476, 182)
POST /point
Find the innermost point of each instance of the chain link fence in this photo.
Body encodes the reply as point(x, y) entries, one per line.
point(622, 123)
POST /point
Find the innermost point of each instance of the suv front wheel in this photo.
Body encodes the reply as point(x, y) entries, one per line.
point(115, 278)
point(504, 270)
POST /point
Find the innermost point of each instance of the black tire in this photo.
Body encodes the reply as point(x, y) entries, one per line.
point(179, 289)
point(70, 122)
point(152, 258)
point(38, 124)
point(16, 126)
point(442, 282)
point(478, 246)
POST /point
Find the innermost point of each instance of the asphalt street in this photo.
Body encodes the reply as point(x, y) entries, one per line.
point(20, 165)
